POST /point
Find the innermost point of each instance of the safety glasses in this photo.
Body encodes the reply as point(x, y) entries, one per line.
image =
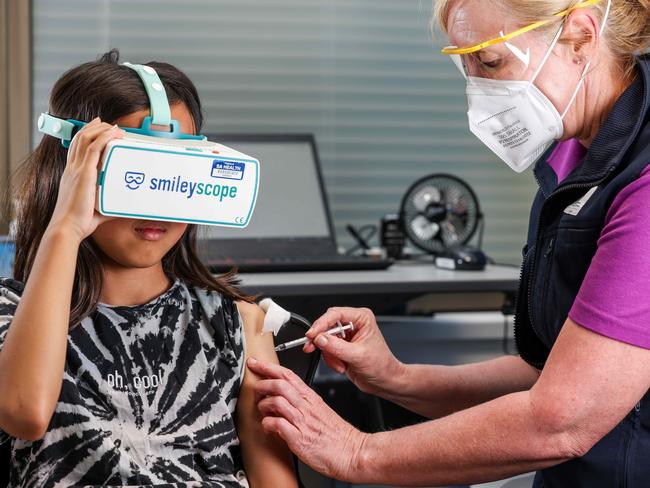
point(473, 59)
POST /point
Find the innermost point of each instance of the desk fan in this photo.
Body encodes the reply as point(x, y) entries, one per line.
point(440, 214)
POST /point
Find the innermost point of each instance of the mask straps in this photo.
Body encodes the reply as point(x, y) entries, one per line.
point(548, 54)
point(587, 66)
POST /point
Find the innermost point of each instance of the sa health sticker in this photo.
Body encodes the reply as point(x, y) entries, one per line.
point(229, 170)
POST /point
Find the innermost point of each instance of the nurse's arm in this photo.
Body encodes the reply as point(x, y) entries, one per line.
point(434, 391)
point(589, 384)
point(430, 390)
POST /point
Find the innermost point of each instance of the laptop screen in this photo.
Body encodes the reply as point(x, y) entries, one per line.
point(290, 203)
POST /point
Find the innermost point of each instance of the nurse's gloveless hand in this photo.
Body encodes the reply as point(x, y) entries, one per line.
point(363, 354)
point(75, 205)
point(311, 429)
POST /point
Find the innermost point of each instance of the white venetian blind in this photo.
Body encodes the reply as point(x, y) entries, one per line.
point(365, 76)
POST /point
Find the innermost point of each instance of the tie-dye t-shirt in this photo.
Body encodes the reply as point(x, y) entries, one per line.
point(148, 398)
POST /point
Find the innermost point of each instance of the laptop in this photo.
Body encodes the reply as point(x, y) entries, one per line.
point(291, 228)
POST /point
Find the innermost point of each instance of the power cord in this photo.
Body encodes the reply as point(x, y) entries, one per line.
point(362, 236)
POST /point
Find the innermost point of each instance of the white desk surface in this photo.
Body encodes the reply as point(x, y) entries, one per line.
point(400, 278)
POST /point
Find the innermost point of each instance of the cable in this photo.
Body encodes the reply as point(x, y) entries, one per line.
point(480, 231)
point(362, 236)
point(504, 341)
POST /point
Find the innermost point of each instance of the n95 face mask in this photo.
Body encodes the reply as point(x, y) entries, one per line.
point(168, 175)
point(514, 119)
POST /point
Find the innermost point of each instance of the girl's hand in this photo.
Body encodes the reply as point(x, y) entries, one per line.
point(75, 205)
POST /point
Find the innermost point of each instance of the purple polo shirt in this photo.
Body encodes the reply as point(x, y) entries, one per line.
point(613, 298)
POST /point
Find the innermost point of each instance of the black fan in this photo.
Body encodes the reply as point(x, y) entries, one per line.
point(440, 212)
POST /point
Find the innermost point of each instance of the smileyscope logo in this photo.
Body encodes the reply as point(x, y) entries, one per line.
point(133, 179)
point(187, 188)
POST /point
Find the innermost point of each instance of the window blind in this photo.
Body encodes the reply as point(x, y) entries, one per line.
point(365, 76)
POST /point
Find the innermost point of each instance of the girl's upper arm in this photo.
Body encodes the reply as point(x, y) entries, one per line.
point(258, 345)
point(267, 459)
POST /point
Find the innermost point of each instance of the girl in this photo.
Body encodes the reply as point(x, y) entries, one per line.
point(123, 364)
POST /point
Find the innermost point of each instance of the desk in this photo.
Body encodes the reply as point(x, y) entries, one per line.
point(311, 293)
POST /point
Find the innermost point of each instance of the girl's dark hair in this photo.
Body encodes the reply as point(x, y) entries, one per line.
point(109, 90)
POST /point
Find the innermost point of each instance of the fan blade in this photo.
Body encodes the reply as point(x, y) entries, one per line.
point(449, 233)
point(424, 197)
point(423, 229)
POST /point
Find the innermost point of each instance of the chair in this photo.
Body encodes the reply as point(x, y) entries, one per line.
point(304, 365)
point(5, 459)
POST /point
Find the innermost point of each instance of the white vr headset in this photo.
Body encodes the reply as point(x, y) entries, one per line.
point(168, 175)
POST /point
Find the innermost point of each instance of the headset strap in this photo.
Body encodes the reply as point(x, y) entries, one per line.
point(55, 127)
point(158, 103)
point(160, 114)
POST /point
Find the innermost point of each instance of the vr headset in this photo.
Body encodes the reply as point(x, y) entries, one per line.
point(168, 175)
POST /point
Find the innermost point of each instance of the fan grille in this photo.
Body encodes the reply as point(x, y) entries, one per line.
point(439, 212)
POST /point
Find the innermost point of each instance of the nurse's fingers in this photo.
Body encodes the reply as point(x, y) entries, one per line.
point(272, 370)
point(282, 427)
point(359, 317)
point(277, 406)
point(335, 363)
point(264, 388)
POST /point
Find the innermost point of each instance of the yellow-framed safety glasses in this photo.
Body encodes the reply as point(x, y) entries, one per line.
point(450, 50)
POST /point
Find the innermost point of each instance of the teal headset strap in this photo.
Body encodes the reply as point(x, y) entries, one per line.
point(158, 103)
point(55, 127)
point(160, 114)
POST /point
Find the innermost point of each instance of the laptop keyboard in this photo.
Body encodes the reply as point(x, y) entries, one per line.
point(299, 263)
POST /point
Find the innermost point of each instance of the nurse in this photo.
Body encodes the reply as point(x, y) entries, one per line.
point(574, 405)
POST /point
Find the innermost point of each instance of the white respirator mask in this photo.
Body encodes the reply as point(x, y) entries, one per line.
point(512, 117)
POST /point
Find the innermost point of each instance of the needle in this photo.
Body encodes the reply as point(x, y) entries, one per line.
point(305, 340)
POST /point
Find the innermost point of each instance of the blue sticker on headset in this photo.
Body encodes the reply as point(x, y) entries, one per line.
point(229, 170)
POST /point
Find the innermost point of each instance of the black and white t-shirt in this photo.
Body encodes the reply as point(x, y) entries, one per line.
point(148, 398)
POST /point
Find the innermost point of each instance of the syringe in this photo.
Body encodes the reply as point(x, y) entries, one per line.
point(305, 340)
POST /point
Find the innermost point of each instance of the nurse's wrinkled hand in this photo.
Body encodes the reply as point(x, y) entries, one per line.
point(363, 354)
point(311, 429)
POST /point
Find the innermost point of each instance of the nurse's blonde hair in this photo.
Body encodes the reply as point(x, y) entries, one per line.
point(627, 32)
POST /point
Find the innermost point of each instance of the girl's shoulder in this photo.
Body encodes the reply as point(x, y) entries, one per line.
point(239, 317)
point(214, 301)
point(211, 301)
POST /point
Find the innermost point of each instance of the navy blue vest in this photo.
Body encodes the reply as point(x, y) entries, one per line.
point(561, 243)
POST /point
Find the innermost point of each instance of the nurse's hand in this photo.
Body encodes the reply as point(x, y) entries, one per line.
point(363, 354)
point(311, 429)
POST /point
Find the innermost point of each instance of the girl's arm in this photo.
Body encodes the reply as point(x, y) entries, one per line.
point(267, 459)
point(33, 354)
